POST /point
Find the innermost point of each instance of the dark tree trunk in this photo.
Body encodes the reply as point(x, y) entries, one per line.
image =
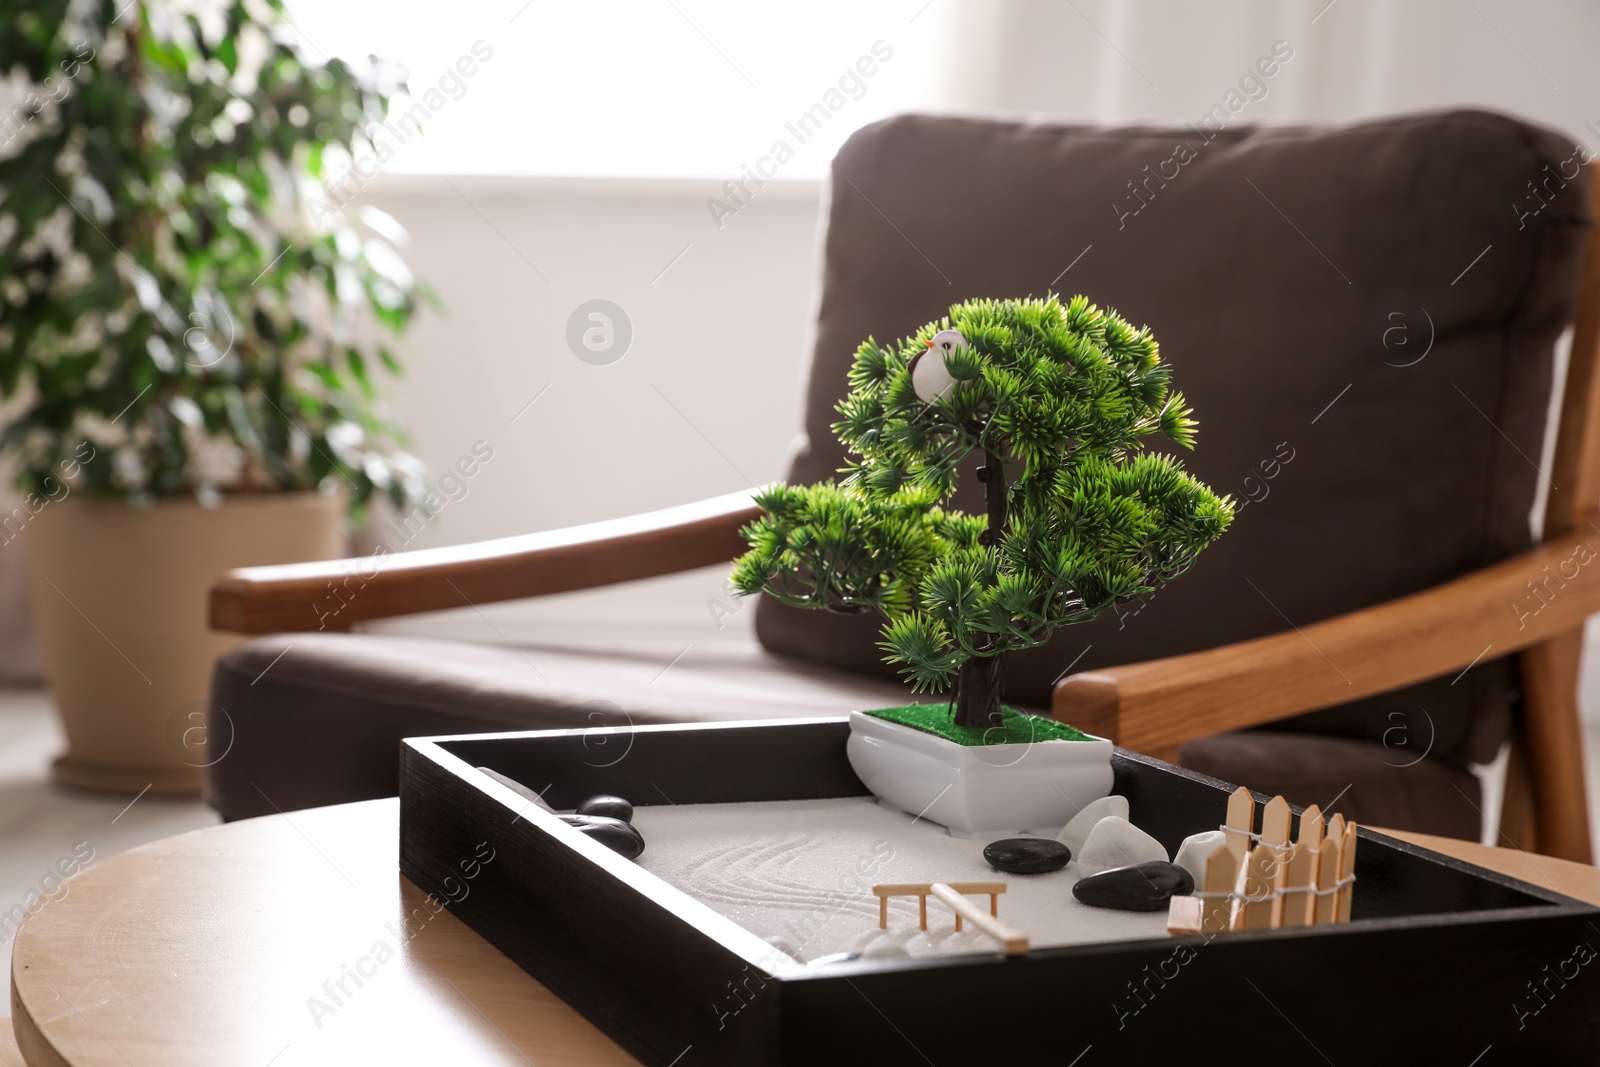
point(993, 476)
point(981, 679)
point(978, 689)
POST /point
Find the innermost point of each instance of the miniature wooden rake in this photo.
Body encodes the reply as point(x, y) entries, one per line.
point(1014, 941)
point(1264, 881)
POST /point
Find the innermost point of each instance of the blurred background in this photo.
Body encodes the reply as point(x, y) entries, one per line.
point(577, 162)
point(571, 153)
point(581, 159)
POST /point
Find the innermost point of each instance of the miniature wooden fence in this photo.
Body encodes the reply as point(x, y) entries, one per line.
point(1014, 941)
point(1265, 881)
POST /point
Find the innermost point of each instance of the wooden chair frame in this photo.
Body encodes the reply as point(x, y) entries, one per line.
point(1153, 706)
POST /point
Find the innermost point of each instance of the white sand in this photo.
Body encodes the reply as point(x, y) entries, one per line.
point(799, 873)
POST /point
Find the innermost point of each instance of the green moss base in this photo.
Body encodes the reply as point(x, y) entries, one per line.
point(1020, 727)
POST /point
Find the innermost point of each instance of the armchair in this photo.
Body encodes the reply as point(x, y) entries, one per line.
point(1391, 567)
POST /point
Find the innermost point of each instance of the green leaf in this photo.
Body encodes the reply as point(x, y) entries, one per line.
point(195, 185)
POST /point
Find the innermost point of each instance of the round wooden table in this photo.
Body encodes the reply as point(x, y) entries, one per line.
point(293, 940)
point(229, 946)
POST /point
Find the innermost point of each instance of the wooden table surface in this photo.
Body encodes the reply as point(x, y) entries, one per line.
point(207, 949)
point(213, 949)
point(1576, 880)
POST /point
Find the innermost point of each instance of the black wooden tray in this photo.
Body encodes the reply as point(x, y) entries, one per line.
point(1443, 963)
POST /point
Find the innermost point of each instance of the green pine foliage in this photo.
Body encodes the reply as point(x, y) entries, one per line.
point(1066, 394)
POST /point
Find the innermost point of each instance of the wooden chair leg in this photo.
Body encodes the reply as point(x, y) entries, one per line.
point(1516, 808)
point(1555, 746)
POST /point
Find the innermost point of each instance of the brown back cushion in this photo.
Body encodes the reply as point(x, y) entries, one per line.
point(1363, 318)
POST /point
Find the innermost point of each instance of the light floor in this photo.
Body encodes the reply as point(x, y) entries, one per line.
point(42, 823)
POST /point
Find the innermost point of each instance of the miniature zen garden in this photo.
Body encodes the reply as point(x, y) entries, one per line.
point(988, 828)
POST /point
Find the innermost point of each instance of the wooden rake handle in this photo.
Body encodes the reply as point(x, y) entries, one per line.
point(1014, 941)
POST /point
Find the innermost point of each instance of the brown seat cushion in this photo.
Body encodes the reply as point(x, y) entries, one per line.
point(1280, 270)
point(1373, 785)
point(311, 719)
point(317, 718)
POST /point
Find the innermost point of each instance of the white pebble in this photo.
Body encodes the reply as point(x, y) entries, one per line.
point(883, 947)
point(1194, 851)
point(1077, 831)
point(1116, 842)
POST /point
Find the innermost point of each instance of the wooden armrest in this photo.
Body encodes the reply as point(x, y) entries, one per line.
point(333, 594)
point(1487, 614)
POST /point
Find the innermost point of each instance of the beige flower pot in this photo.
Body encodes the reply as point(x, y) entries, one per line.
point(119, 605)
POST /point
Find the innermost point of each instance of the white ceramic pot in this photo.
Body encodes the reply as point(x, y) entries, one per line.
point(119, 605)
point(978, 790)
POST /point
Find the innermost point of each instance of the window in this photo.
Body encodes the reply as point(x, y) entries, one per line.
point(656, 88)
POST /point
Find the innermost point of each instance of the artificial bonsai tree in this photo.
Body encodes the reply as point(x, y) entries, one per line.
point(183, 310)
point(1060, 399)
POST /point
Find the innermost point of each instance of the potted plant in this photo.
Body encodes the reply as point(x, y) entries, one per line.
point(188, 333)
point(1059, 398)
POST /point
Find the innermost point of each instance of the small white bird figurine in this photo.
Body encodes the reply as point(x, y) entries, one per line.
point(929, 376)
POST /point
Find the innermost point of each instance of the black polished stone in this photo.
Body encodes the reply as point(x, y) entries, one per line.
point(1027, 855)
point(620, 837)
point(609, 806)
point(1141, 887)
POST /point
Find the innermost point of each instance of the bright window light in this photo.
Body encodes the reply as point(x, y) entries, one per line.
point(635, 88)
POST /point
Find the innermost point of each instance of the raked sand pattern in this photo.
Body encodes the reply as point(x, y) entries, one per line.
point(799, 874)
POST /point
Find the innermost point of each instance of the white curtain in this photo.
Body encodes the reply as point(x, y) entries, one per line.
point(1120, 61)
